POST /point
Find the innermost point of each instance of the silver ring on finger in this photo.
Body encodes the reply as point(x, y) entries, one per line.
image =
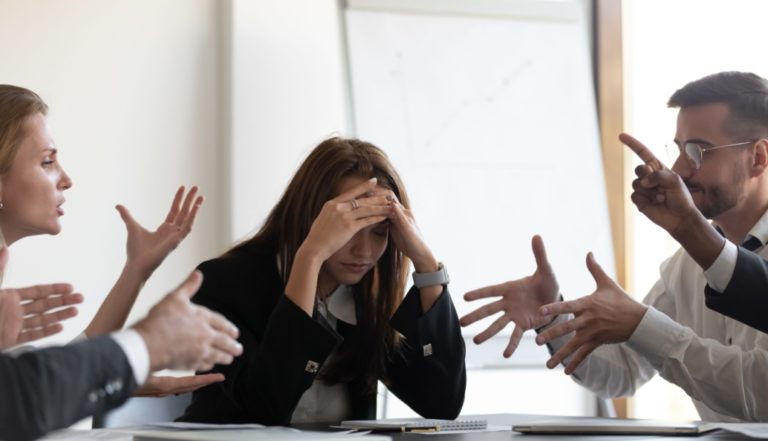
point(354, 203)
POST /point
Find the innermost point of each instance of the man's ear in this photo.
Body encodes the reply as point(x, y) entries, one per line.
point(759, 158)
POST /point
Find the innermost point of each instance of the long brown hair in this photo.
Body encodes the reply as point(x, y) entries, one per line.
point(381, 290)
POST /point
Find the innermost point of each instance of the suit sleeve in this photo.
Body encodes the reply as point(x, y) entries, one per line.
point(53, 388)
point(429, 372)
point(267, 381)
point(746, 296)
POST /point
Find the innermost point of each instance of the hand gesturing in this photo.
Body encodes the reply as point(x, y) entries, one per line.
point(519, 301)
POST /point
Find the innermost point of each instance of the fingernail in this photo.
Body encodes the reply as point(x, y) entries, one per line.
point(372, 180)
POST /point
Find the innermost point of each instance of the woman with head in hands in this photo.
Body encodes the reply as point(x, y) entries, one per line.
point(317, 294)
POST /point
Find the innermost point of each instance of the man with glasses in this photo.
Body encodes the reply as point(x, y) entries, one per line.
point(721, 174)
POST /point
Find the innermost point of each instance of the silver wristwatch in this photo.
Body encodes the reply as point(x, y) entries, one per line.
point(439, 277)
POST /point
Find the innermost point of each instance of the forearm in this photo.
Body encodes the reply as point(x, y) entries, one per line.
point(114, 311)
point(430, 374)
point(52, 388)
point(428, 294)
point(726, 378)
point(302, 282)
point(700, 239)
point(610, 371)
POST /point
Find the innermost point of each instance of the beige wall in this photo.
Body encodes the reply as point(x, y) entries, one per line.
point(149, 94)
point(133, 87)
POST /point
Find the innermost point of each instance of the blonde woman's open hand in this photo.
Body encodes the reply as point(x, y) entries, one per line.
point(147, 249)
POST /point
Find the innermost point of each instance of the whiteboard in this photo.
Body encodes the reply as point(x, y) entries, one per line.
point(491, 122)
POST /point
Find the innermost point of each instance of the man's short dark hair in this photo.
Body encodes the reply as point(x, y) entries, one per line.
point(745, 93)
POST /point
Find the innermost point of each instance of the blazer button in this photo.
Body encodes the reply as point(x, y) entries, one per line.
point(312, 367)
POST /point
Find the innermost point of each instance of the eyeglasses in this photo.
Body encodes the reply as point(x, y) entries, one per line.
point(694, 151)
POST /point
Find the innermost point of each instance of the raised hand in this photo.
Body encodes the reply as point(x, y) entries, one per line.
point(519, 301)
point(147, 249)
point(608, 315)
point(161, 386)
point(32, 313)
point(343, 216)
point(661, 195)
point(658, 192)
point(181, 335)
point(407, 237)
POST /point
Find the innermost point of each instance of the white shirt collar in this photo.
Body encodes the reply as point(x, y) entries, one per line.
point(760, 229)
point(341, 304)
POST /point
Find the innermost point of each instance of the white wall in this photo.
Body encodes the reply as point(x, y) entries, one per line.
point(288, 94)
point(133, 90)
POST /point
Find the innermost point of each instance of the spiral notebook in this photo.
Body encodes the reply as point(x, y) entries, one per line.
point(415, 425)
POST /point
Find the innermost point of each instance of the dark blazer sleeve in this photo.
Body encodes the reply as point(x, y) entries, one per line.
point(746, 296)
point(283, 349)
point(52, 388)
point(429, 374)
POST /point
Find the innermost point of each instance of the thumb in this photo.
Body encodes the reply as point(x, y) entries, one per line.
point(189, 287)
point(597, 271)
point(125, 215)
point(540, 253)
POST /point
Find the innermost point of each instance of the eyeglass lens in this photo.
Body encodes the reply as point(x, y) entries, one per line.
point(693, 152)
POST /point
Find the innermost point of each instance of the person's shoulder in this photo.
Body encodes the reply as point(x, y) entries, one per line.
point(238, 262)
point(678, 262)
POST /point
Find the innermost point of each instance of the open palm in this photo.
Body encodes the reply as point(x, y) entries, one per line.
point(518, 301)
point(147, 249)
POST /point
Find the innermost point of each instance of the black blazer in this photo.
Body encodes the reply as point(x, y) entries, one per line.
point(746, 296)
point(265, 384)
point(52, 388)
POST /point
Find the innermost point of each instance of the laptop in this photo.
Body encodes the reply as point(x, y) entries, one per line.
point(614, 426)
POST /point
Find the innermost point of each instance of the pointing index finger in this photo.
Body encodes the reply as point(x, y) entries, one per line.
point(642, 151)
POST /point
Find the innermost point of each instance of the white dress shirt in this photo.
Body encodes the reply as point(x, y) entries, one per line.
point(323, 402)
point(720, 272)
point(721, 363)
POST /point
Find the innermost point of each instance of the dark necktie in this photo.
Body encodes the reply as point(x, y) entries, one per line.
point(752, 243)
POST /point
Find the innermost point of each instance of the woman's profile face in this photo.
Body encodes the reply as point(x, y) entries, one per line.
point(32, 191)
point(353, 261)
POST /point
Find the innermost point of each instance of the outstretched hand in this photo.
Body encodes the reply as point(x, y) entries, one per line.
point(608, 315)
point(182, 335)
point(162, 386)
point(147, 249)
point(35, 312)
point(519, 301)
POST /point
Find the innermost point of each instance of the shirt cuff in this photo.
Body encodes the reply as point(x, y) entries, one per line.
point(719, 274)
point(136, 351)
point(656, 336)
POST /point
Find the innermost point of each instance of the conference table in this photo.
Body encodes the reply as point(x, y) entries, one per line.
point(508, 419)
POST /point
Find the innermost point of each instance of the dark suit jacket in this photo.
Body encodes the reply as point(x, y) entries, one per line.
point(52, 388)
point(265, 384)
point(746, 296)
